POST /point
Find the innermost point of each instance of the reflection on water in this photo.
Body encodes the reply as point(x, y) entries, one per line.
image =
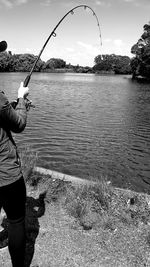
point(88, 125)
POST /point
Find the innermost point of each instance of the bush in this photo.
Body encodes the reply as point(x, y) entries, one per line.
point(86, 202)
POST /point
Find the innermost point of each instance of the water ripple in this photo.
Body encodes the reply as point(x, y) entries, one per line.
point(88, 125)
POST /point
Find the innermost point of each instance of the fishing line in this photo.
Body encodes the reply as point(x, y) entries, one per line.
point(53, 34)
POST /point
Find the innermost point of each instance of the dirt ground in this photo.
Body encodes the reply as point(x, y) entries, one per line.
point(54, 239)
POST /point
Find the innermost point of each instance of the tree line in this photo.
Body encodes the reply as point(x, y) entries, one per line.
point(24, 62)
point(138, 66)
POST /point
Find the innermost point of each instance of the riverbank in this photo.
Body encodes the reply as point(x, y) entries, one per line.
point(141, 79)
point(73, 224)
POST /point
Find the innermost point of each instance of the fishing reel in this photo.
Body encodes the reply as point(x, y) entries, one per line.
point(28, 104)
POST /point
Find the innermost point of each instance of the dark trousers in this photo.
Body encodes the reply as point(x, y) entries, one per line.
point(13, 199)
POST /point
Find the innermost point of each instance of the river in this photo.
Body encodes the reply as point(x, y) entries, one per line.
point(88, 125)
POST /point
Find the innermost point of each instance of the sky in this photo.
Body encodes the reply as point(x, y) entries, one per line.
point(26, 25)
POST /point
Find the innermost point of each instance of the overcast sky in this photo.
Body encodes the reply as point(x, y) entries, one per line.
point(26, 24)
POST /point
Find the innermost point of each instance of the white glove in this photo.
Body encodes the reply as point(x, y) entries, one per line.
point(23, 91)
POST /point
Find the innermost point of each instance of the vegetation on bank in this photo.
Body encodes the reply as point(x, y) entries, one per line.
point(95, 205)
point(98, 197)
point(120, 217)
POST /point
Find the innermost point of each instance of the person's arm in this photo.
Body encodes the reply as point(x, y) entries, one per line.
point(14, 119)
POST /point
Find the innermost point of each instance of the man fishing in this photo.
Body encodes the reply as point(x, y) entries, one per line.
point(12, 186)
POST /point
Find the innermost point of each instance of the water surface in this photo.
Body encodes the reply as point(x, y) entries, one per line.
point(87, 125)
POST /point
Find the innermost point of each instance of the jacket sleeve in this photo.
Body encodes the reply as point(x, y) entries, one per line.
point(12, 119)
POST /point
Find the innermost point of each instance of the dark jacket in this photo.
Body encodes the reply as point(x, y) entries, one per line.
point(11, 120)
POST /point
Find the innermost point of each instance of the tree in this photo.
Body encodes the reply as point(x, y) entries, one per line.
point(19, 62)
point(24, 62)
point(112, 63)
point(55, 63)
point(122, 65)
point(4, 61)
point(140, 64)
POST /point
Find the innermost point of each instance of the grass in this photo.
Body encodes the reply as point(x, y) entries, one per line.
point(28, 160)
point(121, 216)
point(98, 203)
point(87, 202)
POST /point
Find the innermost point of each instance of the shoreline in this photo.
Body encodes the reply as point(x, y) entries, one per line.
point(78, 181)
point(71, 222)
point(62, 176)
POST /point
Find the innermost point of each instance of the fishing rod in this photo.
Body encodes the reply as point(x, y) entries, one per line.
point(53, 34)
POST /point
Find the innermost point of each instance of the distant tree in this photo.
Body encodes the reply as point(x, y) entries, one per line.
point(4, 61)
point(24, 62)
point(19, 62)
point(122, 65)
point(140, 64)
point(104, 62)
point(14, 63)
point(69, 66)
point(112, 63)
point(55, 63)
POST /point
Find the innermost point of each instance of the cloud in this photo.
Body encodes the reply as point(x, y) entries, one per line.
point(138, 3)
point(81, 53)
point(119, 46)
point(118, 42)
point(115, 46)
point(46, 3)
point(102, 3)
point(107, 40)
point(69, 49)
point(28, 50)
point(135, 3)
point(84, 45)
point(88, 48)
point(99, 3)
point(20, 2)
point(11, 3)
point(129, 1)
point(6, 3)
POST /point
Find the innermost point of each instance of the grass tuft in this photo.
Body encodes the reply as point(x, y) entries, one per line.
point(87, 202)
point(56, 190)
point(28, 159)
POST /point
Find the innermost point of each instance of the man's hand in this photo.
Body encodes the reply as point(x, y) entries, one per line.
point(23, 91)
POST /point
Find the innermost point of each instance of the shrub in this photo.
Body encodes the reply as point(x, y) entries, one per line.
point(86, 202)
